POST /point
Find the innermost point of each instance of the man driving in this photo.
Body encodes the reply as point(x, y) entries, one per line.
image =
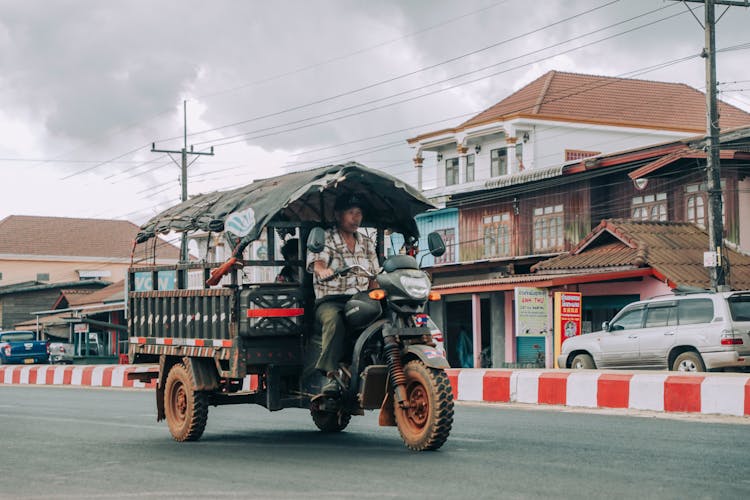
point(344, 246)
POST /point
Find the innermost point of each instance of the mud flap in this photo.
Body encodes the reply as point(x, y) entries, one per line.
point(428, 355)
point(387, 418)
point(160, 383)
point(204, 373)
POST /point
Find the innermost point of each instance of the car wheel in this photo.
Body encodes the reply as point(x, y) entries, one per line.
point(688, 362)
point(582, 362)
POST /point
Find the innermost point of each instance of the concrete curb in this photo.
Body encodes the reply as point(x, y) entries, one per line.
point(706, 393)
point(75, 375)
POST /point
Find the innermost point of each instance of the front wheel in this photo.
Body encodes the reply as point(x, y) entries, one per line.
point(425, 421)
point(186, 409)
point(328, 421)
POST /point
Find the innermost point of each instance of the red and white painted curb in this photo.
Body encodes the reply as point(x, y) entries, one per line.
point(75, 375)
point(708, 393)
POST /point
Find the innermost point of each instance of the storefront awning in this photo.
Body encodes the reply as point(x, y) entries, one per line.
point(538, 281)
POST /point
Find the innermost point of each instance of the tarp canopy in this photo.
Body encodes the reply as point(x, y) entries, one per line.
point(306, 196)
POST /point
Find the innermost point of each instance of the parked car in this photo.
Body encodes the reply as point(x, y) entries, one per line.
point(61, 353)
point(20, 347)
point(691, 332)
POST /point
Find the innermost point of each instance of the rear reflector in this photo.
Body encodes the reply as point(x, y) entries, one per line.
point(275, 312)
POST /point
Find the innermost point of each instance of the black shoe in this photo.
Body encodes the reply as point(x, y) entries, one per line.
point(331, 388)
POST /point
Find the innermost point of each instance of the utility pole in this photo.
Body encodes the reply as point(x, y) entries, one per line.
point(713, 145)
point(183, 169)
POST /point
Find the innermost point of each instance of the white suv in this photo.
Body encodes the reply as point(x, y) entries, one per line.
point(692, 332)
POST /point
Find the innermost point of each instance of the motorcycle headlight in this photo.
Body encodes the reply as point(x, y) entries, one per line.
point(417, 288)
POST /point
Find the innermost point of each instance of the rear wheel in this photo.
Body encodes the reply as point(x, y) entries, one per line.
point(688, 362)
point(582, 362)
point(328, 421)
point(186, 409)
point(425, 422)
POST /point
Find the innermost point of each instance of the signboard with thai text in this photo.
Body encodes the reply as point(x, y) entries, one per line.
point(567, 318)
point(532, 312)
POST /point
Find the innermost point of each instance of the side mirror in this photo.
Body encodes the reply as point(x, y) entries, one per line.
point(436, 244)
point(605, 326)
point(316, 240)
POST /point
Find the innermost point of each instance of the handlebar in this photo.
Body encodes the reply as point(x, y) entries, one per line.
point(343, 271)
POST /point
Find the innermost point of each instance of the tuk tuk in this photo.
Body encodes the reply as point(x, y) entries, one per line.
point(214, 326)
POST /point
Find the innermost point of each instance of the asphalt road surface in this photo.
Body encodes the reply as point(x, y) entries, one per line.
point(65, 443)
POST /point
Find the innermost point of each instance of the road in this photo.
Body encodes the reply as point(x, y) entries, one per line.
point(63, 443)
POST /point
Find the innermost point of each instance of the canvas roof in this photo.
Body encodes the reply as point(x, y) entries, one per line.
point(306, 196)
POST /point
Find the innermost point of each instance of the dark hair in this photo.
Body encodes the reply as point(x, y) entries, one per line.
point(347, 201)
point(290, 248)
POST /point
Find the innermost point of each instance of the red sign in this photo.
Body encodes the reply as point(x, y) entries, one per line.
point(570, 315)
point(567, 318)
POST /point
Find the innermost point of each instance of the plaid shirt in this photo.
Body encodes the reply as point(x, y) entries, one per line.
point(337, 255)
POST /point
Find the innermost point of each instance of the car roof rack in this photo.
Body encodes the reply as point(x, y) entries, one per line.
point(681, 291)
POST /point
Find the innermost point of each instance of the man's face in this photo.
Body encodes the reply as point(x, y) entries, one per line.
point(349, 220)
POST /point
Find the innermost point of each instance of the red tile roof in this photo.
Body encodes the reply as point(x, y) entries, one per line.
point(674, 250)
point(605, 100)
point(70, 237)
point(625, 101)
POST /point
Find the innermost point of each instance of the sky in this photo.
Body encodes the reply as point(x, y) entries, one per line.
point(86, 87)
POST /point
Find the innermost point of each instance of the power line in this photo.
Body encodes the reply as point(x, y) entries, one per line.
point(410, 73)
point(419, 88)
point(299, 70)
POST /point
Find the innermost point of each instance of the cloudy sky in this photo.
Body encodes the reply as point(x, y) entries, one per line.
point(87, 86)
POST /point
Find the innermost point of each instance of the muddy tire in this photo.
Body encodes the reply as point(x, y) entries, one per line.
point(186, 409)
point(426, 421)
point(328, 421)
point(582, 362)
point(688, 362)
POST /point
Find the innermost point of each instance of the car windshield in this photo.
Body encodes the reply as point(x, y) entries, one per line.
point(739, 305)
point(628, 320)
point(16, 336)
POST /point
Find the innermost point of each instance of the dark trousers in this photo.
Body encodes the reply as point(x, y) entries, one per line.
point(330, 316)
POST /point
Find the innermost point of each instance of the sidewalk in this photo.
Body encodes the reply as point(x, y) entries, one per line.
point(661, 391)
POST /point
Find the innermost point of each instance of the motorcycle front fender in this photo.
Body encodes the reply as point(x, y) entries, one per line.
point(430, 356)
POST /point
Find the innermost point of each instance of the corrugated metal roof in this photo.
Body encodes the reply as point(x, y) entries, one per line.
point(673, 249)
point(509, 280)
point(531, 175)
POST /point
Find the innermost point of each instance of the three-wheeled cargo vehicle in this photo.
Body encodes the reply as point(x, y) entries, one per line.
point(224, 333)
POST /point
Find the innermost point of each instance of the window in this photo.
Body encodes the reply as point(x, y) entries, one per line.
point(661, 315)
point(629, 320)
point(497, 234)
point(696, 204)
point(739, 305)
point(469, 168)
point(693, 311)
point(498, 162)
point(650, 207)
point(577, 154)
point(42, 276)
point(449, 238)
point(451, 171)
point(519, 155)
point(548, 228)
